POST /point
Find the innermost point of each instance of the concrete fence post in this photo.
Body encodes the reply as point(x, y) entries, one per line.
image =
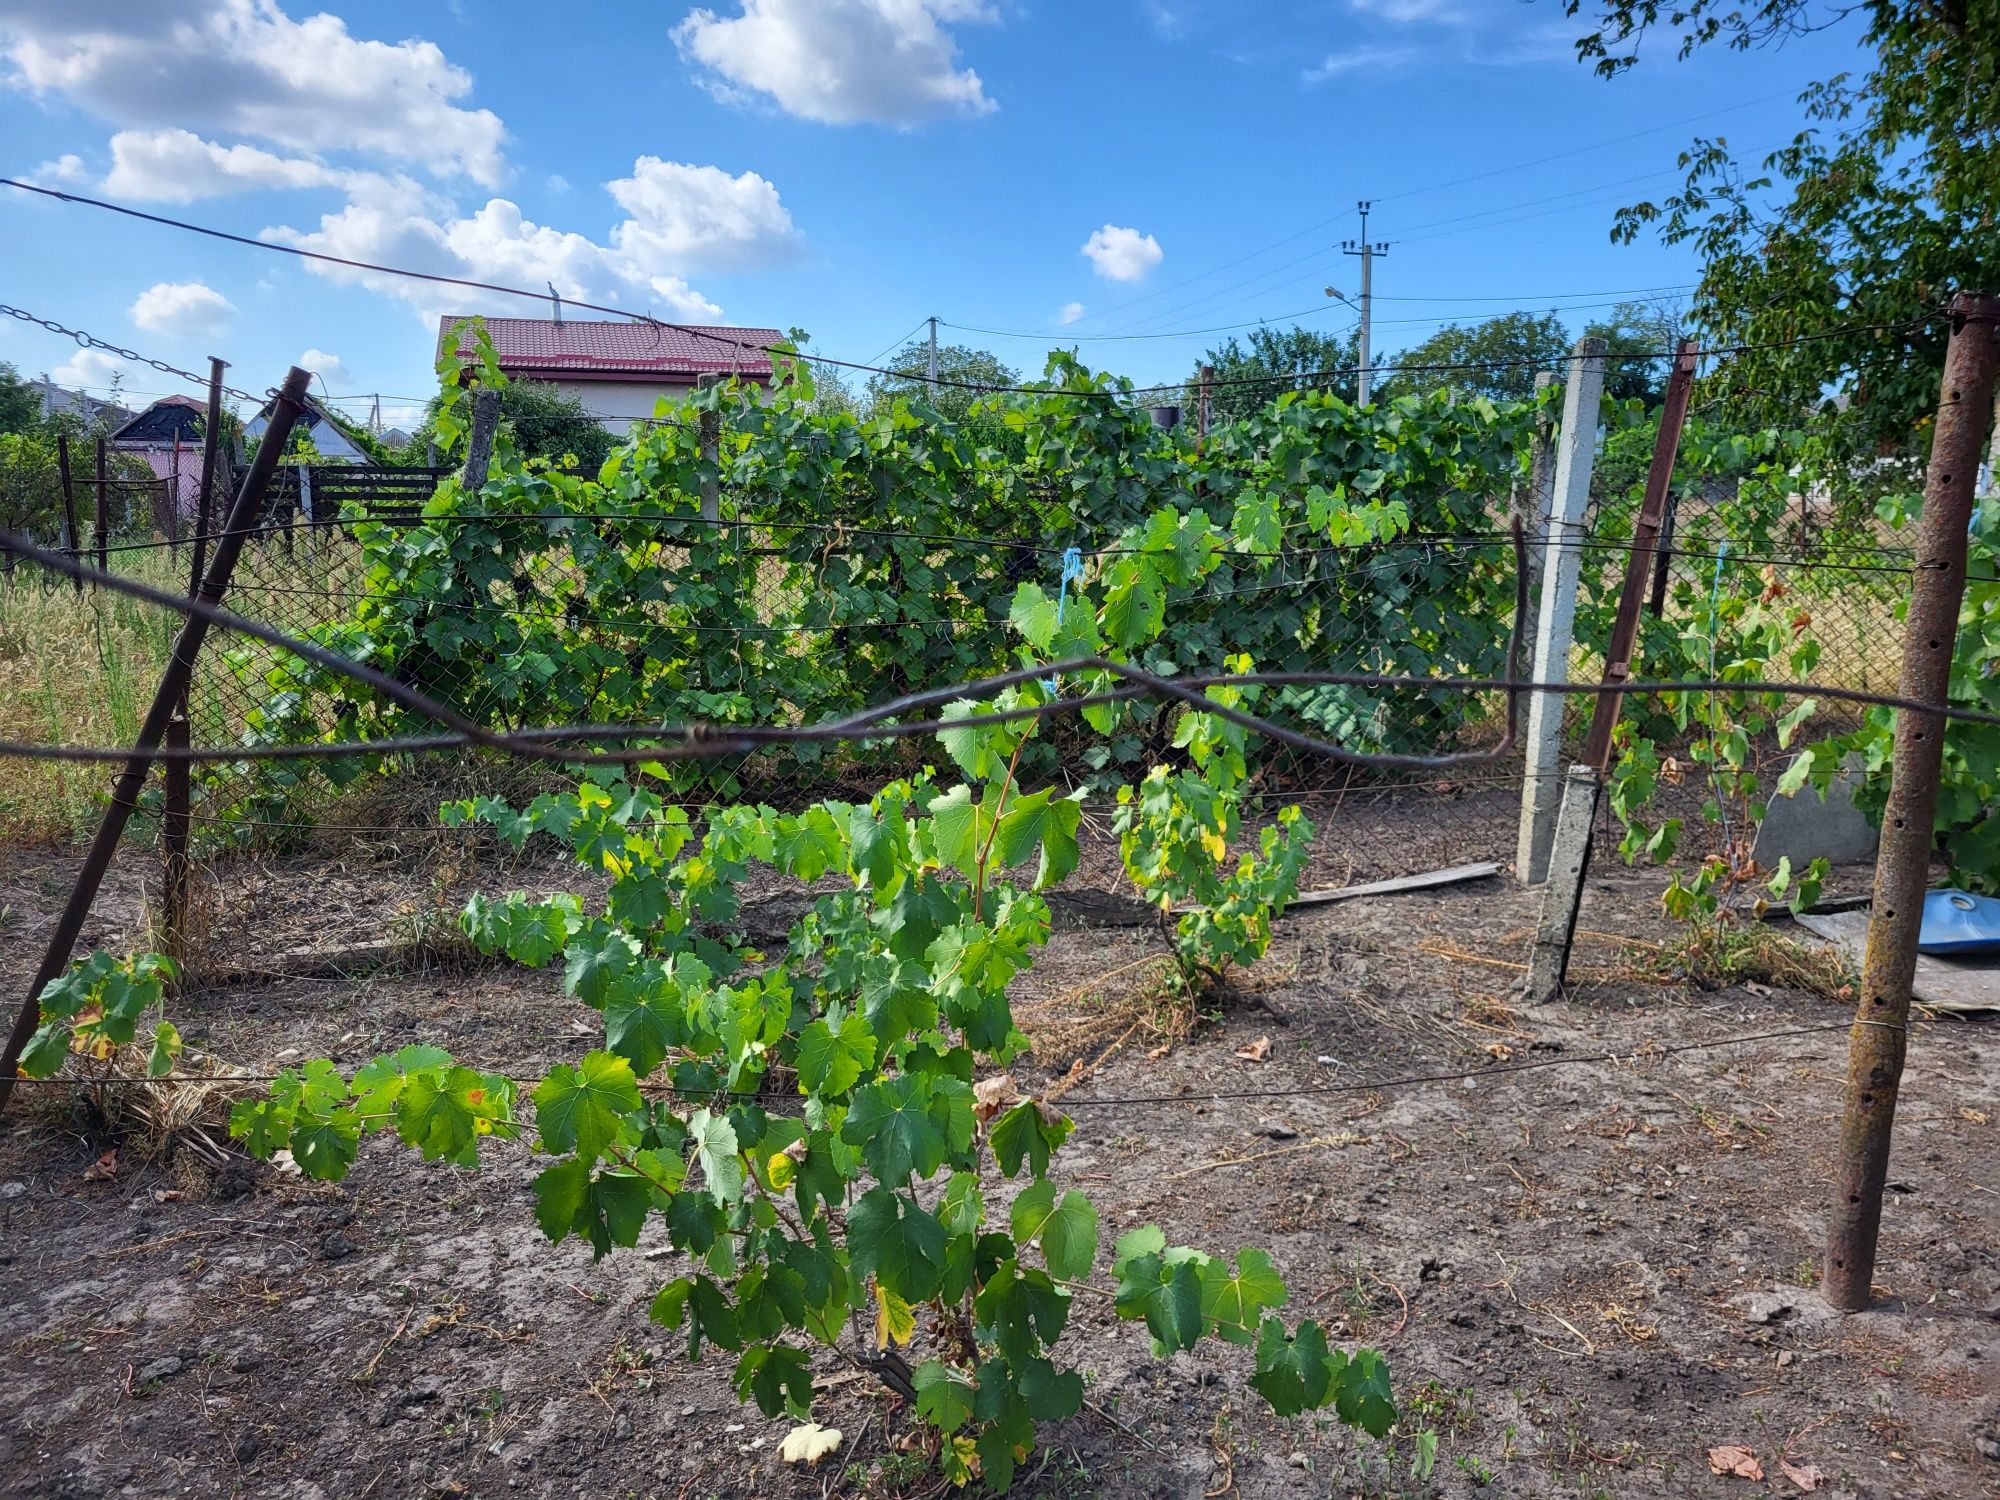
point(1562, 561)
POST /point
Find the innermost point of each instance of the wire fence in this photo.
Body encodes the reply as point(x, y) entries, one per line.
point(523, 622)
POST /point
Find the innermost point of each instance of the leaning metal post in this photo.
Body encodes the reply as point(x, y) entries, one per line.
point(166, 700)
point(1880, 1037)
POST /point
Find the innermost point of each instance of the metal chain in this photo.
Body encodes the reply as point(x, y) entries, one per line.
point(90, 341)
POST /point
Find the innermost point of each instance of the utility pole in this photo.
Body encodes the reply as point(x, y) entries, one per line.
point(932, 374)
point(1367, 250)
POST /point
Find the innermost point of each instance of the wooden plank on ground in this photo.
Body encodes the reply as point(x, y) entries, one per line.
point(1429, 878)
point(1965, 984)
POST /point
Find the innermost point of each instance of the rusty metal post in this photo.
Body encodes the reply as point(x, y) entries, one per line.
point(1879, 1040)
point(1657, 605)
point(103, 512)
point(166, 699)
point(211, 438)
point(72, 543)
point(1624, 644)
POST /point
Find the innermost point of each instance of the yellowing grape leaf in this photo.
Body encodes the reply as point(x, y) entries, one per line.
point(895, 1319)
point(809, 1444)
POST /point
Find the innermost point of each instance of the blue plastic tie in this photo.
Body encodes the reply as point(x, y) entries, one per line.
point(1072, 567)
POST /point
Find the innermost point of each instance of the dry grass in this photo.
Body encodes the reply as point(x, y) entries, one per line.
point(75, 669)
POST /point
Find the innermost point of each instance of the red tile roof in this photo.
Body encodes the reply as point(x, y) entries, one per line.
point(542, 347)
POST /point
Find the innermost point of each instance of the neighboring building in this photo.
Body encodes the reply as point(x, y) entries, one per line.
point(87, 409)
point(167, 437)
point(620, 371)
point(328, 435)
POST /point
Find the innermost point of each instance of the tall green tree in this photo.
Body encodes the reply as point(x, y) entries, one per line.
point(959, 367)
point(20, 407)
point(1836, 255)
point(1499, 357)
point(1270, 362)
point(1638, 337)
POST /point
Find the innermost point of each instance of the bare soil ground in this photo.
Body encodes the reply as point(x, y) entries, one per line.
point(1584, 1275)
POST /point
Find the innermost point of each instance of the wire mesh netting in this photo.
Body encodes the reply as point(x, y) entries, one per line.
point(544, 619)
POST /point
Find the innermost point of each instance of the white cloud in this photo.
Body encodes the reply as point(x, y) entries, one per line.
point(68, 167)
point(841, 62)
point(684, 217)
point(330, 368)
point(1122, 254)
point(246, 68)
point(1351, 59)
point(1404, 11)
point(88, 369)
point(182, 309)
point(397, 223)
point(1071, 311)
point(178, 166)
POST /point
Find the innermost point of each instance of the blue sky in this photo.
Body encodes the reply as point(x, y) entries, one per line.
point(848, 166)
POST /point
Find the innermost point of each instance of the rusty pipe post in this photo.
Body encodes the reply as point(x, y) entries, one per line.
point(1880, 1037)
point(1624, 644)
point(211, 437)
point(72, 541)
point(103, 512)
point(166, 700)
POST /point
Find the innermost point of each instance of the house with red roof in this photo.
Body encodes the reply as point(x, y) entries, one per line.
point(621, 371)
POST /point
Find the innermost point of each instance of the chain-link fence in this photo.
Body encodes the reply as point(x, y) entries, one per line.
point(520, 621)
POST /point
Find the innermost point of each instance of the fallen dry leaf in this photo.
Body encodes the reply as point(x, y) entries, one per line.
point(991, 1095)
point(1499, 1051)
point(1732, 1459)
point(166, 1195)
point(1762, 991)
point(1154, 1054)
point(1257, 1051)
point(104, 1168)
point(809, 1444)
point(1976, 1116)
point(1805, 1475)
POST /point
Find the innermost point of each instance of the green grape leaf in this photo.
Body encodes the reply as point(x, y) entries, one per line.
point(1022, 1134)
point(1066, 1227)
point(891, 1122)
point(944, 1394)
point(720, 1156)
point(1033, 614)
point(325, 1146)
point(891, 1238)
point(1167, 1296)
point(583, 1108)
point(1362, 1396)
point(1235, 1301)
point(832, 1062)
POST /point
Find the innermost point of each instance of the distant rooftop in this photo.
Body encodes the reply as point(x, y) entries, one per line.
point(542, 348)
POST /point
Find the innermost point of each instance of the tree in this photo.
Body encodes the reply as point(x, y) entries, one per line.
point(955, 362)
point(830, 389)
point(20, 407)
point(1502, 355)
point(1637, 337)
point(1294, 358)
point(545, 423)
point(1835, 258)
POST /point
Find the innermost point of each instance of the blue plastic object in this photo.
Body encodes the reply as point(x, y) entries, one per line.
point(1958, 922)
